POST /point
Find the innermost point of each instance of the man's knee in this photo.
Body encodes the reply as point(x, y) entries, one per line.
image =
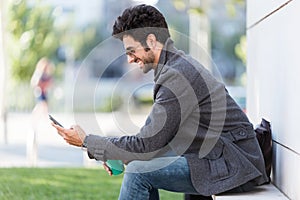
point(133, 167)
point(134, 179)
point(133, 170)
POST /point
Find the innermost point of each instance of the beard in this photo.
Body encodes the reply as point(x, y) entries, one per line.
point(148, 62)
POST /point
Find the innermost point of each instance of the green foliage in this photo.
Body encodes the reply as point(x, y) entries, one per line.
point(62, 184)
point(241, 49)
point(197, 10)
point(110, 104)
point(230, 44)
point(231, 6)
point(90, 36)
point(180, 4)
point(37, 30)
point(32, 35)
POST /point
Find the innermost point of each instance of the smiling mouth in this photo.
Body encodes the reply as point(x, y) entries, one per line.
point(139, 62)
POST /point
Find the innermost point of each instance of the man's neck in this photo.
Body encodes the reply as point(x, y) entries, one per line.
point(157, 51)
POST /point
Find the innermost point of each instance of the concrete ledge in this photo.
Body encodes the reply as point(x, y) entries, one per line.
point(265, 192)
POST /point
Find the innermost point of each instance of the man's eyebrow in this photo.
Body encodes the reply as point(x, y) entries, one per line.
point(129, 48)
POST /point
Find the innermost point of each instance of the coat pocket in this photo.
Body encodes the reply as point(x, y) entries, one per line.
point(239, 134)
point(217, 164)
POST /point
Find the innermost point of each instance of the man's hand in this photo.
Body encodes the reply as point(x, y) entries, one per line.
point(107, 169)
point(74, 136)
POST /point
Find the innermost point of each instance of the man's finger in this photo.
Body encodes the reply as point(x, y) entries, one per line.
point(107, 169)
point(59, 129)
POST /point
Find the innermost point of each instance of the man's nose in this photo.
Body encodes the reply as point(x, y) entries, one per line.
point(130, 58)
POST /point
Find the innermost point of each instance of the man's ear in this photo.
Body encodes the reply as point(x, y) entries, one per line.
point(151, 41)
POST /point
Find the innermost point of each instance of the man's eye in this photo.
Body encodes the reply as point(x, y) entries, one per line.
point(130, 52)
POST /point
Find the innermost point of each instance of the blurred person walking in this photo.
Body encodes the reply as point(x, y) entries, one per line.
point(41, 81)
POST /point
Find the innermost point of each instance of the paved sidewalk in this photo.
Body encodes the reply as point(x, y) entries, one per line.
point(52, 151)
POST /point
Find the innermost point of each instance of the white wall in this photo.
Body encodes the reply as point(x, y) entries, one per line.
point(273, 88)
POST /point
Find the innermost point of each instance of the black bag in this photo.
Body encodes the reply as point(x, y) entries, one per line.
point(264, 137)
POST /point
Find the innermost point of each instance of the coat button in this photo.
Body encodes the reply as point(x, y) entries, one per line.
point(242, 133)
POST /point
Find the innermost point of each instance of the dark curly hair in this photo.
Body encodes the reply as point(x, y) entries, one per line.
point(140, 21)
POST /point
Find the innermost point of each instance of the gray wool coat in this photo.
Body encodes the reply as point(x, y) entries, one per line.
point(192, 116)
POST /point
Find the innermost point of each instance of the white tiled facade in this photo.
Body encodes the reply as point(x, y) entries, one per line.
point(273, 88)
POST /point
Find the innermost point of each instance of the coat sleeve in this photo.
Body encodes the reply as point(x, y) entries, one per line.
point(173, 103)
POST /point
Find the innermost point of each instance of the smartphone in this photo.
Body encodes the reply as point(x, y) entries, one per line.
point(55, 121)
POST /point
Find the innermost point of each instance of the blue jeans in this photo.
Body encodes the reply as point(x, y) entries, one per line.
point(142, 179)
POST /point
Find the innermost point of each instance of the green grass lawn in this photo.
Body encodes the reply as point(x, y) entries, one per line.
point(62, 183)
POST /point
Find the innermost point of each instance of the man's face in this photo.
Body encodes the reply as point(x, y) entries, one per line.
point(136, 53)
